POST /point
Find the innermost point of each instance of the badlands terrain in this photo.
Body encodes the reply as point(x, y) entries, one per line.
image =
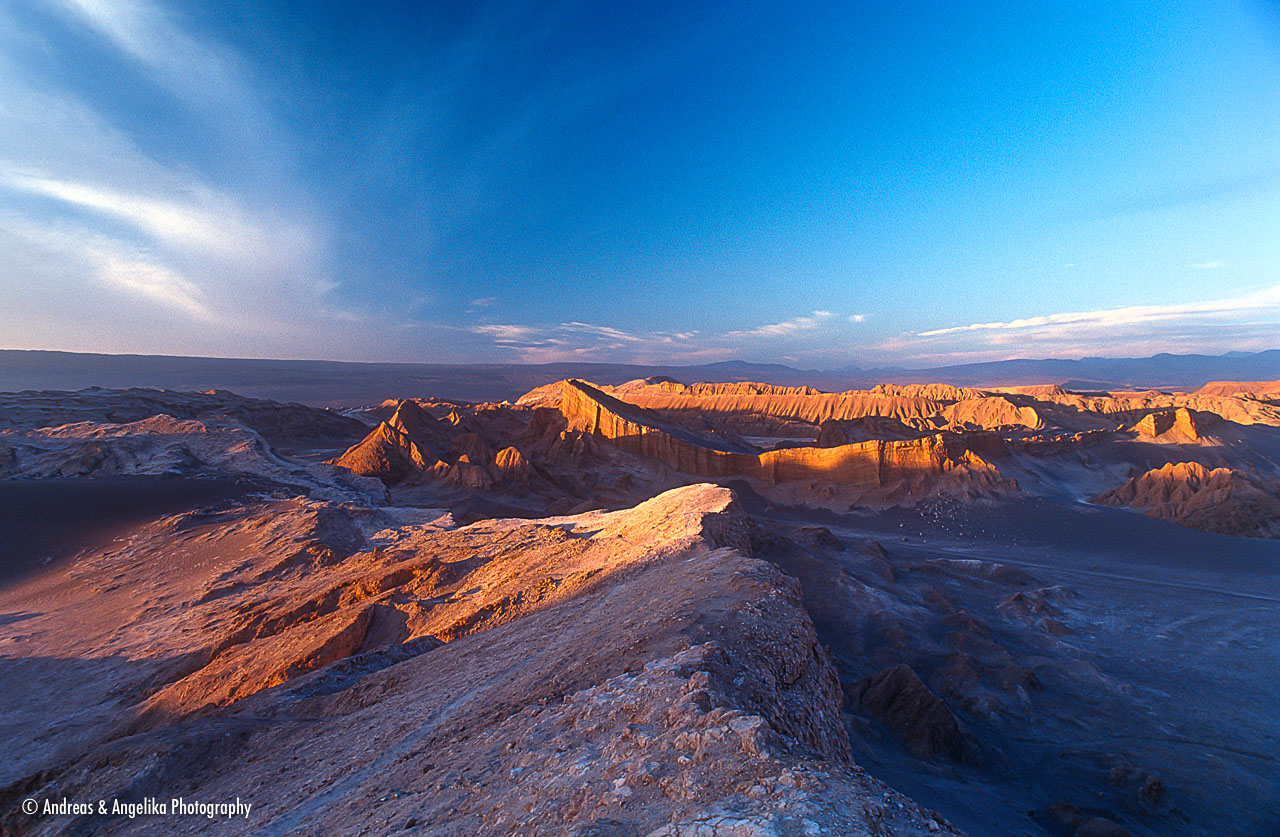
point(651, 609)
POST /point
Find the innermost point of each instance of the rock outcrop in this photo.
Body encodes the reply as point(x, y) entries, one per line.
point(897, 698)
point(1221, 500)
point(407, 443)
point(990, 413)
point(511, 468)
point(1267, 390)
point(1177, 425)
point(164, 446)
point(875, 464)
point(636, 668)
point(795, 403)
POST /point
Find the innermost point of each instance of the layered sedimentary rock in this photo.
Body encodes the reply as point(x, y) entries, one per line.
point(990, 412)
point(885, 445)
point(785, 410)
point(1034, 390)
point(1179, 425)
point(1130, 407)
point(1221, 500)
point(833, 432)
point(797, 403)
point(872, 464)
point(933, 392)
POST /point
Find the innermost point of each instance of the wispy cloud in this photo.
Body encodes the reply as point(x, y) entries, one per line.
point(588, 341)
point(599, 331)
point(205, 220)
point(786, 328)
point(1210, 265)
point(195, 70)
point(1266, 299)
point(583, 341)
point(174, 238)
point(509, 334)
point(147, 279)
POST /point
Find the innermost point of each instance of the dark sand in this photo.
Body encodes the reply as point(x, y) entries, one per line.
point(1170, 666)
point(45, 521)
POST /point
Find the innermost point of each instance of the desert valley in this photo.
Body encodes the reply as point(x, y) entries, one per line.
point(509, 418)
point(653, 609)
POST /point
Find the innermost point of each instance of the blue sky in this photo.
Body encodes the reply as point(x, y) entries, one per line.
point(821, 184)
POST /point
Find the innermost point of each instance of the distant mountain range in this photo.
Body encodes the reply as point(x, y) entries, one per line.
point(333, 383)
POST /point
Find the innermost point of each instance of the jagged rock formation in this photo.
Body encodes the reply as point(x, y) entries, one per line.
point(893, 444)
point(407, 443)
point(1221, 500)
point(637, 668)
point(892, 466)
point(440, 459)
point(1039, 391)
point(665, 669)
point(793, 403)
point(1179, 425)
point(897, 698)
point(991, 412)
point(834, 432)
point(933, 392)
point(926, 406)
point(510, 467)
point(1129, 407)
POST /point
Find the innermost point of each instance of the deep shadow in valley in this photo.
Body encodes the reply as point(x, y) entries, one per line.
point(44, 521)
point(1037, 667)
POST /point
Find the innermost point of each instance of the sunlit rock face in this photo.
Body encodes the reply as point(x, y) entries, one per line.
point(657, 608)
point(1220, 500)
point(892, 445)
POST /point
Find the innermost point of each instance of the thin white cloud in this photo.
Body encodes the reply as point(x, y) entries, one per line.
point(1261, 300)
point(207, 221)
point(168, 237)
point(1210, 265)
point(151, 280)
point(857, 318)
point(509, 333)
point(194, 70)
point(120, 267)
point(586, 341)
point(600, 331)
point(786, 328)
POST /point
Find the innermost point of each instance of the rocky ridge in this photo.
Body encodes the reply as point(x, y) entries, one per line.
point(429, 653)
point(1222, 500)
